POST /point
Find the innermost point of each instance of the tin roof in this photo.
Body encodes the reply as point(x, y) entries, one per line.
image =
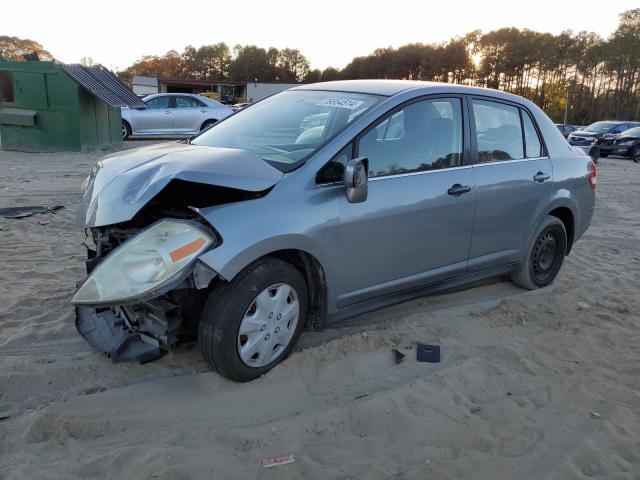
point(100, 82)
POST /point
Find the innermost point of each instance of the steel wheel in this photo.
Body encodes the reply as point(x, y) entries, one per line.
point(545, 256)
point(268, 325)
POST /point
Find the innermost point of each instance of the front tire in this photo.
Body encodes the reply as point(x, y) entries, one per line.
point(251, 324)
point(545, 254)
point(126, 130)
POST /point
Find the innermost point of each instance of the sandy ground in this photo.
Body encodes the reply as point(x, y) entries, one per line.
point(532, 385)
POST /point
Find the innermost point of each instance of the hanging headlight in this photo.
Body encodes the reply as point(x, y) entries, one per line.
point(144, 264)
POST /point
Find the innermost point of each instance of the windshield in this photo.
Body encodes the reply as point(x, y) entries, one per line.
point(600, 127)
point(289, 126)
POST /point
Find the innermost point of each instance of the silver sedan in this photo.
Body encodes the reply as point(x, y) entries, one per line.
point(172, 114)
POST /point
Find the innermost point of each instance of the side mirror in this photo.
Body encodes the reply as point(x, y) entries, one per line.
point(356, 179)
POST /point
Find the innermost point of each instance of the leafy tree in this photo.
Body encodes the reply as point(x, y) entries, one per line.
point(329, 74)
point(313, 76)
point(208, 62)
point(291, 65)
point(20, 49)
point(251, 63)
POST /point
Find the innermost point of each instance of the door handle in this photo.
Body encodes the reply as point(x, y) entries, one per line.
point(458, 189)
point(541, 177)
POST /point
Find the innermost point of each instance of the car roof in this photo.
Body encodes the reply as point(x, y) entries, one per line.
point(390, 88)
point(617, 122)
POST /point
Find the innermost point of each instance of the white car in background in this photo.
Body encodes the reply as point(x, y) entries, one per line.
point(172, 114)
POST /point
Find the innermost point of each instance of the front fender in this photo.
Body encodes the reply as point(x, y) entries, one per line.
point(255, 228)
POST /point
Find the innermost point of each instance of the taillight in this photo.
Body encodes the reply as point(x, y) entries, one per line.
point(593, 174)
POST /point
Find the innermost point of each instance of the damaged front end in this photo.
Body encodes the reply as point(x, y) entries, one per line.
point(146, 287)
point(137, 305)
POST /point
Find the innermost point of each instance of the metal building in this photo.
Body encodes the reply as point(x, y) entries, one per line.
point(48, 106)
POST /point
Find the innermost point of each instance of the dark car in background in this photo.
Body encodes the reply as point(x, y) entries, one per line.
point(600, 134)
point(566, 130)
point(628, 144)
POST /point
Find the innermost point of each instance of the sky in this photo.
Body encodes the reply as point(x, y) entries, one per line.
point(329, 33)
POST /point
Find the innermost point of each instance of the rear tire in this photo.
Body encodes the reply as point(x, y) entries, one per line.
point(229, 305)
point(208, 124)
point(545, 254)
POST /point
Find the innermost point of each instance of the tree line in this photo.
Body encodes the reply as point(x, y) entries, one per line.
point(578, 75)
point(590, 77)
point(218, 62)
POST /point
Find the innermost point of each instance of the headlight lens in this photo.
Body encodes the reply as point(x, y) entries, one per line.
point(145, 263)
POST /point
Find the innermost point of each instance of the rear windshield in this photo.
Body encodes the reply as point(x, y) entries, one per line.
point(290, 126)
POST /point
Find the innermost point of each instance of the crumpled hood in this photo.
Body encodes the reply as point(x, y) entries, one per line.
point(122, 183)
point(582, 133)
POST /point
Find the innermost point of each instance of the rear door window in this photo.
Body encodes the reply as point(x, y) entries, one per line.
point(532, 144)
point(498, 131)
point(186, 102)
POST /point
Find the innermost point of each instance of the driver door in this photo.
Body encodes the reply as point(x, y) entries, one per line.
point(155, 119)
point(415, 226)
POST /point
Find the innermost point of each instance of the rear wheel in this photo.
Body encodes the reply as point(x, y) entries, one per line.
point(126, 130)
point(545, 255)
point(207, 124)
point(251, 324)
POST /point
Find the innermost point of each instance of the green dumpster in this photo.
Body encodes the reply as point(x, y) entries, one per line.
point(47, 106)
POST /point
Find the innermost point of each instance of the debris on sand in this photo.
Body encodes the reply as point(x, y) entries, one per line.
point(428, 353)
point(16, 213)
point(277, 461)
point(398, 356)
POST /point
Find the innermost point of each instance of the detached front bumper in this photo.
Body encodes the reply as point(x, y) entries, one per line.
point(143, 332)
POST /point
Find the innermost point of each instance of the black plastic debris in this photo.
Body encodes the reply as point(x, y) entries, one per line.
point(428, 353)
point(16, 213)
point(398, 356)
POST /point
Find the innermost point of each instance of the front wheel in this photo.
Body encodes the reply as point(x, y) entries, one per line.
point(545, 255)
point(126, 130)
point(251, 324)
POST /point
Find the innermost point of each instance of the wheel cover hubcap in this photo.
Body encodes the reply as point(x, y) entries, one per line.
point(268, 325)
point(124, 131)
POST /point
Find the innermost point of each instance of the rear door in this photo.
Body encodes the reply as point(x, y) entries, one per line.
point(513, 177)
point(188, 115)
point(414, 228)
point(155, 118)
